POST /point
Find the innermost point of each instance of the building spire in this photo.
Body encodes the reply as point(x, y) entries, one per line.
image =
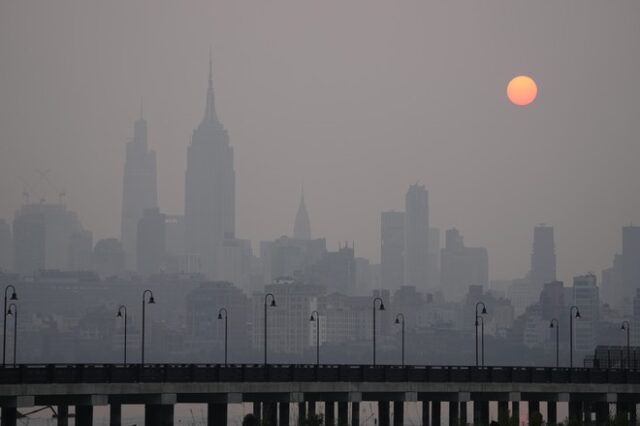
point(302, 225)
point(210, 110)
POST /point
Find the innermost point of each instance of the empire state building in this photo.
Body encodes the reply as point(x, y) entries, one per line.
point(210, 188)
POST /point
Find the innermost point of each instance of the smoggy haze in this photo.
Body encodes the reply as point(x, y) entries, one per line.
point(354, 99)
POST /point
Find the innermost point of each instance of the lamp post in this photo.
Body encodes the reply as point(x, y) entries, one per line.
point(273, 305)
point(626, 326)
point(484, 312)
point(557, 327)
point(13, 310)
point(374, 324)
point(400, 320)
point(315, 316)
point(151, 301)
point(121, 309)
point(577, 314)
point(481, 318)
point(226, 329)
point(14, 296)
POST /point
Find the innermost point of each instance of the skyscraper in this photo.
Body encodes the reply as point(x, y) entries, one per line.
point(416, 238)
point(543, 257)
point(151, 243)
point(630, 260)
point(139, 188)
point(392, 248)
point(302, 226)
point(462, 266)
point(209, 187)
point(586, 297)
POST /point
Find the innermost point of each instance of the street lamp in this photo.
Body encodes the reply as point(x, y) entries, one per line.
point(273, 305)
point(14, 296)
point(481, 318)
point(626, 326)
point(13, 310)
point(577, 314)
point(226, 329)
point(374, 325)
point(484, 312)
point(316, 318)
point(557, 327)
point(151, 301)
point(122, 309)
point(400, 320)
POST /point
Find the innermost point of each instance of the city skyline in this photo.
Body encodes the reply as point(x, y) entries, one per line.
point(418, 136)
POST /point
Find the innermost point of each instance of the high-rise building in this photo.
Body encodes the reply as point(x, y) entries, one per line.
point(209, 188)
point(630, 260)
point(6, 263)
point(42, 237)
point(108, 257)
point(416, 238)
point(635, 326)
point(587, 299)
point(81, 251)
point(392, 249)
point(462, 266)
point(543, 257)
point(139, 188)
point(150, 242)
point(434, 257)
point(235, 258)
point(286, 257)
point(336, 271)
point(302, 226)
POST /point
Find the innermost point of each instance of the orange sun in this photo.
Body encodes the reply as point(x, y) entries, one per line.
point(522, 90)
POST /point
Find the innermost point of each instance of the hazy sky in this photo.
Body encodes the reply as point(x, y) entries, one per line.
point(356, 99)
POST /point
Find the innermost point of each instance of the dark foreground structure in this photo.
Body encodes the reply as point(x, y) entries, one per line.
point(272, 389)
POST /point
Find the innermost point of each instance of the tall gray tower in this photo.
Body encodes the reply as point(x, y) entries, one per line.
point(302, 226)
point(416, 237)
point(139, 188)
point(210, 188)
point(543, 257)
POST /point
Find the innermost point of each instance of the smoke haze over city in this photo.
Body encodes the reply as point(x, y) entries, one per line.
point(353, 100)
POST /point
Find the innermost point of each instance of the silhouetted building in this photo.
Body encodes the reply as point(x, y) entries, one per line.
point(150, 244)
point(6, 246)
point(286, 257)
point(81, 251)
point(108, 257)
point(586, 298)
point(235, 262)
point(543, 257)
point(416, 238)
point(336, 271)
point(210, 194)
point(139, 188)
point(392, 249)
point(630, 260)
point(434, 257)
point(552, 300)
point(302, 226)
point(174, 242)
point(42, 237)
point(206, 332)
point(462, 266)
point(635, 331)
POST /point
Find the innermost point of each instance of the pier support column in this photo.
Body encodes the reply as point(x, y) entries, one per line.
point(115, 415)
point(217, 414)
point(426, 418)
point(312, 408)
point(355, 414)
point(633, 414)
point(302, 413)
point(343, 413)
point(454, 413)
point(436, 419)
point(9, 416)
point(84, 415)
point(383, 413)
point(602, 413)
point(552, 413)
point(587, 410)
point(158, 415)
point(398, 413)
point(515, 410)
point(503, 412)
point(283, 409)
point(329, 413)
point(63, 415)
point(575, 410)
